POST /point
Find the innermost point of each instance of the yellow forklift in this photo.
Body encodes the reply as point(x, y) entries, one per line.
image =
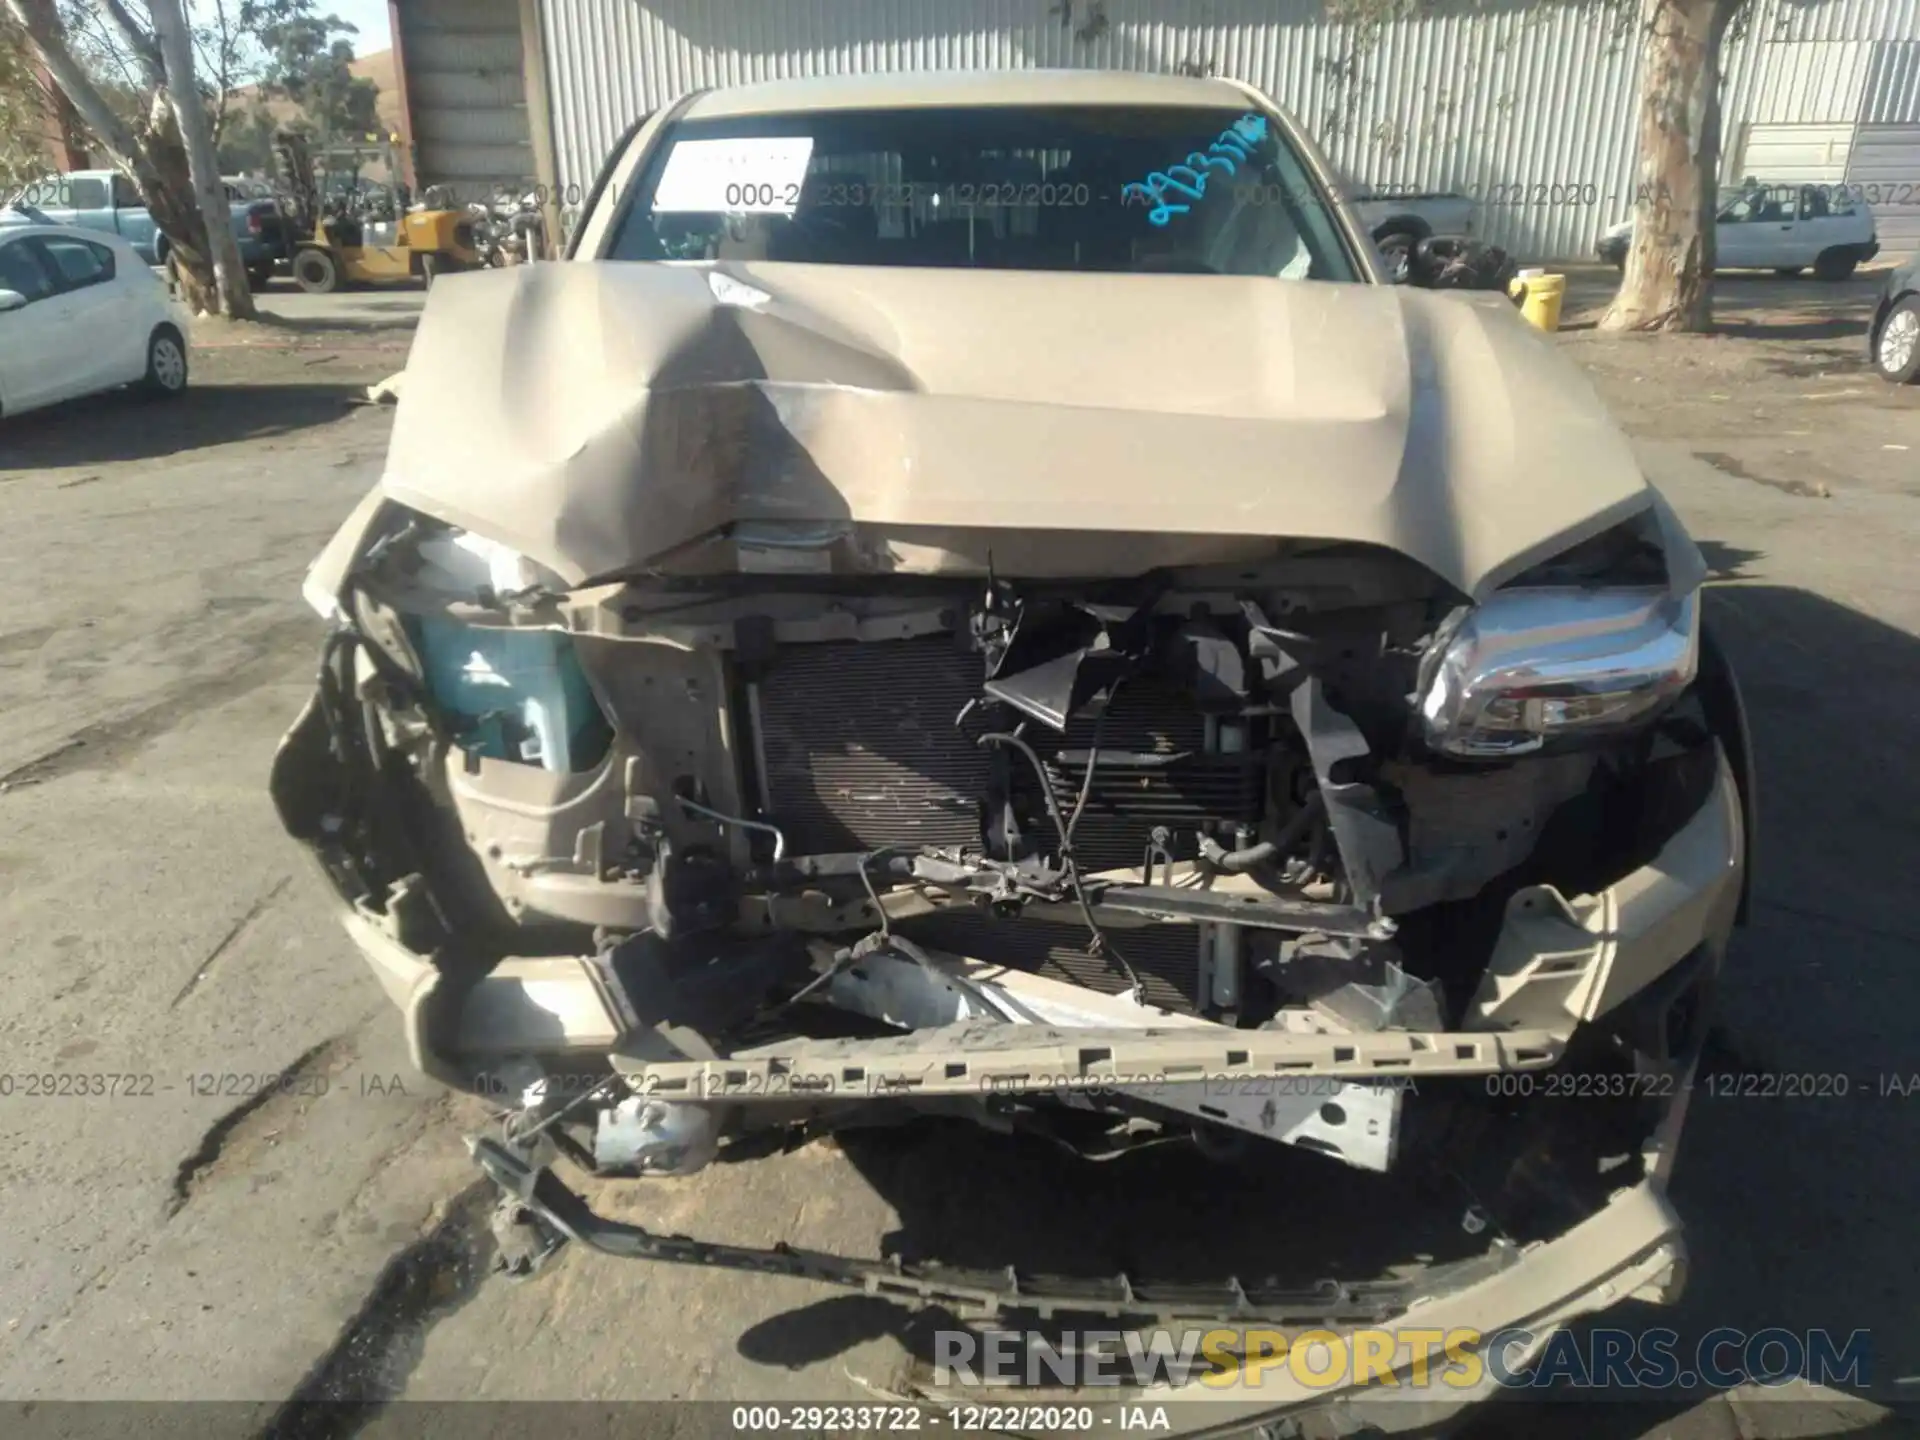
point(348, 230)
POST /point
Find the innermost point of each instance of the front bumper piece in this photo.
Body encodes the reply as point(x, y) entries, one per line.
point(1632, 1248)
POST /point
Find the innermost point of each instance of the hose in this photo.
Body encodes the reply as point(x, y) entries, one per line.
point(1238, 862)
point(1102, 946)
point(1093, 761)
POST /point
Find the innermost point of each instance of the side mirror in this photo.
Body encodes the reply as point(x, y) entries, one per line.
point(11, 300)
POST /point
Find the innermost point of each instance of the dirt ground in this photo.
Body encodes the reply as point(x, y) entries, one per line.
point(321, 1239)
point(1784, 395)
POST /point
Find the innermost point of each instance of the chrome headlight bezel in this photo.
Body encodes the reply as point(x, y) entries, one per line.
point(1532, 666)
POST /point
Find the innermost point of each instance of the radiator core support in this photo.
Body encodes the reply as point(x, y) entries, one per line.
point(855, 746)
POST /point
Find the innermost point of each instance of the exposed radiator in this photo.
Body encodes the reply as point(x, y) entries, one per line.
point(1129, 799)
point(860, 747)
point(860, 750)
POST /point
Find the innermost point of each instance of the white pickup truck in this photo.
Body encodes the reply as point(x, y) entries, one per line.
point(1785, 228)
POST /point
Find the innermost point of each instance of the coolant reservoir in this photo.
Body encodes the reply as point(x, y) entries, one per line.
point(513, 694)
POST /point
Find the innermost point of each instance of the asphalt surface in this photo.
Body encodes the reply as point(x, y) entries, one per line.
point(194, 1236)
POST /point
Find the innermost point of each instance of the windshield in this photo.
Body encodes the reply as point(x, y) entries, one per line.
point(1185, 190)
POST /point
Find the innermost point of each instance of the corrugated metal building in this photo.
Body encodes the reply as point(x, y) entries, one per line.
point(1532, 107)
point(462, 71)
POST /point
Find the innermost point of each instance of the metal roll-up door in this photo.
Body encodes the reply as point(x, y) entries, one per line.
point(466, 95)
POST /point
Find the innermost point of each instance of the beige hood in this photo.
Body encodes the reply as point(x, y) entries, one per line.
point(595, 415)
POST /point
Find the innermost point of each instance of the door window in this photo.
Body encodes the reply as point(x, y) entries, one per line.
point(1758, 206)
point(21, 270)
point(78, 263)
point(88, 193)
point(126, 194)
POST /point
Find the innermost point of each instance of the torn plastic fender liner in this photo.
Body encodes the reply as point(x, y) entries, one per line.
point(1055, 661)
point(1561, 961)
point(1369, 841)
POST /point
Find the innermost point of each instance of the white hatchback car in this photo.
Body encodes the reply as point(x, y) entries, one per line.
point(1785, 228)
point(79, 312)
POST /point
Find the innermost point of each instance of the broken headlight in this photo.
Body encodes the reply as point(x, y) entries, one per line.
point(1526, 667)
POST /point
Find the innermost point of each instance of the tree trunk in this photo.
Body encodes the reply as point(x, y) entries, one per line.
point(1668, 284)
point(176, 53)
point(171, 202)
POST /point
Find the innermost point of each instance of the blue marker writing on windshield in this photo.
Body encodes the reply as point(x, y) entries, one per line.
point(1232, 145)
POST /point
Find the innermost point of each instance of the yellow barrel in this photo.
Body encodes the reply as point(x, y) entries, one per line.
point(1540, 295)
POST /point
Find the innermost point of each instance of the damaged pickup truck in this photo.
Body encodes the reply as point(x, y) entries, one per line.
point(969, 596)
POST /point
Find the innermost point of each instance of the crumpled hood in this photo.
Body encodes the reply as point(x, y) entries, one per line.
point(593, 415)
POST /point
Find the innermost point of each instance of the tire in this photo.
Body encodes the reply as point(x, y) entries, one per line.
point(1396, 249)
point(1896, 349)
point(1789, 272)
point(316, 272)
point(166, 375)
point(1836, 264)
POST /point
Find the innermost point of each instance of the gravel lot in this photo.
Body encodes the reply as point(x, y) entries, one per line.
point(194, 1242)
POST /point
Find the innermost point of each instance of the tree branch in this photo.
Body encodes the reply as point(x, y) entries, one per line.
point(42, 26)
point(142, 44)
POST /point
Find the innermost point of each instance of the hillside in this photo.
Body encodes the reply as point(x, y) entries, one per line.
point(377, 67)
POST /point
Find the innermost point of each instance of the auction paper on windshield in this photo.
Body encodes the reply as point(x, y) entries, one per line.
point(755, 175)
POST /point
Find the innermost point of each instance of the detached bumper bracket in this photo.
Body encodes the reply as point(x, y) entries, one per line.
point(968, 1294)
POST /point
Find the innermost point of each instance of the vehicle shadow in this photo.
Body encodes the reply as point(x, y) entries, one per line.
point(1834, 327)
point(125, 425)
point(1801, 1160)
point(1724, 561)
point(1690, 1419)
point(370, 311)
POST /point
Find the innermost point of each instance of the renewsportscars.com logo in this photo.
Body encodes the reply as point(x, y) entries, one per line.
point(1410, 1358)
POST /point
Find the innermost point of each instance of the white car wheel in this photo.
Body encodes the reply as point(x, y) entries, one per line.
point(1897, 356)
point(166, 362)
